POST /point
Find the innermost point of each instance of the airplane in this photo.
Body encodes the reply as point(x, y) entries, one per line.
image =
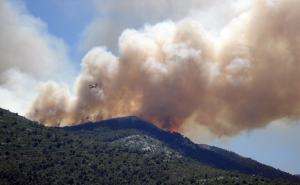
point(91, 86)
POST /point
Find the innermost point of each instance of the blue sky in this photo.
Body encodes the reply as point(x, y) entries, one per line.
point(277, 145)
point(82, 25)
point(65, 19)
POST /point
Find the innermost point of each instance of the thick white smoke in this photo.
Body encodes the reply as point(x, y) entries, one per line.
point(175, 73)
point(114, 16)
point(28, 55)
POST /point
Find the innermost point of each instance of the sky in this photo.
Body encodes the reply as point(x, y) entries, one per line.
point(52, 41)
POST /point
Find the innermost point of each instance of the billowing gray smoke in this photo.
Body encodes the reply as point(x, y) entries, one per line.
point(176, 73)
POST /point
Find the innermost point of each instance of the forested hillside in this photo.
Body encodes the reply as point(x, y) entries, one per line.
point(33, 154)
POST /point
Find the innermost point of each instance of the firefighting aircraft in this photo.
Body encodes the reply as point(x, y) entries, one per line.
point(92, 86)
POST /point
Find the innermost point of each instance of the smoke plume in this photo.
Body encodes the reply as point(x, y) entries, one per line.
point(176, 73)
point(26, 50)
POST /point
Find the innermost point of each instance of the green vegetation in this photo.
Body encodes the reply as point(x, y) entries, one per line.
point(33, 154)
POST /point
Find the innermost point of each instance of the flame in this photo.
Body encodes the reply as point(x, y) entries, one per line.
point(174, 130)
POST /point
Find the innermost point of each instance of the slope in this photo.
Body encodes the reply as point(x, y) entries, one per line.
point(208, 155)
point(33, 154)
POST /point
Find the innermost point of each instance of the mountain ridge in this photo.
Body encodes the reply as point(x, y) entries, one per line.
point(109, 152)
point(222, 159)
